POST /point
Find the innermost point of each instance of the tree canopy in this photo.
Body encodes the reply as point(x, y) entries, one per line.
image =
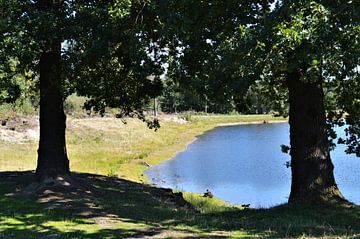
point(104, 55)
point(323, 38)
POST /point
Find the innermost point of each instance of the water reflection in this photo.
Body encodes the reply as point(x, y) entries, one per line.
point(244, 164)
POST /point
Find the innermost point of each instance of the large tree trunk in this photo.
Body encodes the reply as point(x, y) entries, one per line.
point(311, 166)
point(52, 156)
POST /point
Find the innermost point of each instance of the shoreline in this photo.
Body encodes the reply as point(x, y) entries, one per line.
point(253, 122)
point(191, 195)
point(146, 178)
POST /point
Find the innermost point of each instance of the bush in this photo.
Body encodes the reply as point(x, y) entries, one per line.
point(74, 104)
point(19, 108)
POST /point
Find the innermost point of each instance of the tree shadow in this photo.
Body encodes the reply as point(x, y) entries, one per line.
point(110, 207)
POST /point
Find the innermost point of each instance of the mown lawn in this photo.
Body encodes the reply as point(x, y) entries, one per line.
point(114, 202)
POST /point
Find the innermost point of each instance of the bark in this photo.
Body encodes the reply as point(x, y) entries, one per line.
point(52, 155)
point(312, 170)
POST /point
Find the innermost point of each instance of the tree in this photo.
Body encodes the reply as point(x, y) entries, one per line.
point(9, 89)
point(12, 84)
point(262, 97)
point(94, 47)
point(312, 46)
point(178, 97)
point(52, 153)
point(302, 47)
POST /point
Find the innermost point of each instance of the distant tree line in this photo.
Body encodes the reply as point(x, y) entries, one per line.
point(256, 99)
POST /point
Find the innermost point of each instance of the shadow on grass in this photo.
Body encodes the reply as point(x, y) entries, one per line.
point(109, 207)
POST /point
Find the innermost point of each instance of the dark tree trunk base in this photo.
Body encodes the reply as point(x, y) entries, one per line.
point(59, 184)
point(330, 196)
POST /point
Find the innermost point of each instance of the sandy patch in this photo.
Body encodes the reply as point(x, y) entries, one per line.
point(174, 119)
point(19, 129)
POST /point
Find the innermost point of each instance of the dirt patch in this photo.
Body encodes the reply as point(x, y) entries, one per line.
point(96, 123)
point(174, 119)
point(22, 129)
point(19, 129)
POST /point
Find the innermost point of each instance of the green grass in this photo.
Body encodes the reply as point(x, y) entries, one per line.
point(17, 156)
point(125, 207)
point(27, 218)
point(119, 208)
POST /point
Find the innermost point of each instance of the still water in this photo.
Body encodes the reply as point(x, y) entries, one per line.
point(244, 164)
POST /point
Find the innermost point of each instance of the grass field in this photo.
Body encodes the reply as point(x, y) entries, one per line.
point(110, 156)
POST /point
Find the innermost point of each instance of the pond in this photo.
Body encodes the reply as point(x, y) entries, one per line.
point(243, 164)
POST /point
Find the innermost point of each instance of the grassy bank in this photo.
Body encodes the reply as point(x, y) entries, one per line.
point(109, 147)
point(123, 209)
point(113, 155)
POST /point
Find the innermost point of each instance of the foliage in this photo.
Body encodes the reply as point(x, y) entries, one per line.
point(74, 104)
point(262, 97)
point(205, 42)
point(13, 85)
point(321, 37)
point(116, 67)
point(105, 54)
point(179, 98)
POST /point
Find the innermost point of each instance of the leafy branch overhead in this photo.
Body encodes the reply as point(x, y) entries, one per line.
point(323, 36)
point(105, 51)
